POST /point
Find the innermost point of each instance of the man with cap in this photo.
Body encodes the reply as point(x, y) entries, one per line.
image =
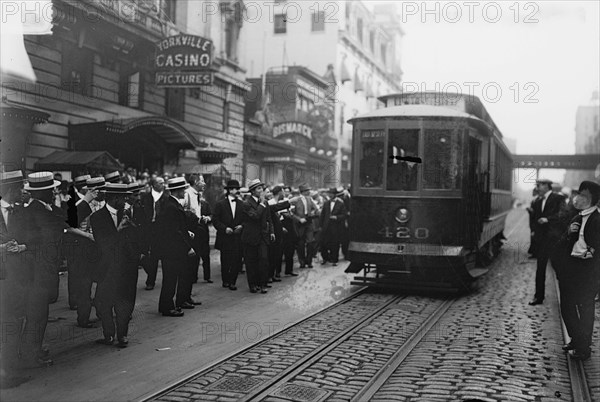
point(41, 230)
point(227, 219)
point(82, 252)
point(332, 219)
point(152, 204)
point(195, 204)
point(305, 210)
point(581, 271)
point(174, 249)
point(117, 276)
point(546, 216)
point(14, 279)
point(257, 234)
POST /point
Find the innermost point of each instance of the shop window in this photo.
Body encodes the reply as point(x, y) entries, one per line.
point(318, 21)
point(77, 69)
point(442, 162)
point(280, 23)
point(174, 103)
point(371, 158)
point(402, 175)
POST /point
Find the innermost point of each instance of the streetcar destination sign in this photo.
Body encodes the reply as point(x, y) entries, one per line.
point(183, 61)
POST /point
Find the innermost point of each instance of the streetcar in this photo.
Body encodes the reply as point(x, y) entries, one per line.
point(431, 189)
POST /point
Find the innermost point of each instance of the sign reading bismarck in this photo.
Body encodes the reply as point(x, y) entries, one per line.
point(183, 61)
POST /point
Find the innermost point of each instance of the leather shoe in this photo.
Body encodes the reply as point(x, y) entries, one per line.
point(309, 266)
point(302, 266)
point(226, 285)
point(149, 287)
point(268, 286)
point(173, 313)
point(334, 264)
point(253, 290)
point(276, 280)
point(187, 305)
point(535, 302)
point(566, 347)
point(73, 308)
point(263, 291)
point(576, 355)
point(208, 281)
point(105, 341)
point(123, 342)
point(194, 302)
point(232, 287)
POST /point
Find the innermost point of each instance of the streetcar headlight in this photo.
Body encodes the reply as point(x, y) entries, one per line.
point(402, 215)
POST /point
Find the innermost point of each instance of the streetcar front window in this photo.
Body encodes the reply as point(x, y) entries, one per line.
point(442, 165)
point(371, 158)
point(402, 174)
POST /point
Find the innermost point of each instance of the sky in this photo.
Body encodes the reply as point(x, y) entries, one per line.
point(531, 63)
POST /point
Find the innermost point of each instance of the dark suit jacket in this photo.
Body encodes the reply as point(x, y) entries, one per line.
point(276, 219)
point(222, 219)
point(10, 263)
point(305, 229)
point(173, 224)
point(332, 228)
point(257, 225)
point(552, 230)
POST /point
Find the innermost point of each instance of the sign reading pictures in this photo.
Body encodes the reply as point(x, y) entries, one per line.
point(183, 61)
point(292, 127)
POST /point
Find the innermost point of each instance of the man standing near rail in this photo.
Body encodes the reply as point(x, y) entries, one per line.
point(546, 217)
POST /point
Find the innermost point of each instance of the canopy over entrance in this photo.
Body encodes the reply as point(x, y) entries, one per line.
point(79, 161)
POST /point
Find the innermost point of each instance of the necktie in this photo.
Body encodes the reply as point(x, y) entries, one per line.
point(119, 217)
point(9, 211)
point(199, 205)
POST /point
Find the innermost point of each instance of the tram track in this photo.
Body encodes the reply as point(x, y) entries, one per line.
point(156, 396)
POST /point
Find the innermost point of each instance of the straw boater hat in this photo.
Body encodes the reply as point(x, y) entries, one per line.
point(113, 177)
point(339, 192)
point(255, 183)
point(116, 188)
point(233, 184)
point(41, 181)
point(177, 183)
point(543, 181)
point(135, 187)
point(79, 180)
point(14, 177)
point(95, 183)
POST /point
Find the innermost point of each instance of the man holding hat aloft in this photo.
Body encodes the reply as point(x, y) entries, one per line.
point(257, 234)
point(546, 216)
point(117, 276)
point(174, 249)
point(332, 219)
point(580, 271)
point(227, 219)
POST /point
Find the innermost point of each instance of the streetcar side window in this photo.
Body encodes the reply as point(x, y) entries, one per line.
point(402, 174)
point(442, 165)
point(371, 158)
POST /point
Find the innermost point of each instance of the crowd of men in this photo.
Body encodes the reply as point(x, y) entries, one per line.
point(105, 228)
point(565, 229)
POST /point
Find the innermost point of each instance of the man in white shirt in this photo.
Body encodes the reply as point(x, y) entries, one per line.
point(194, 203)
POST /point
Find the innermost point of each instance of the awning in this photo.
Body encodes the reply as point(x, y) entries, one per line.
point(78, 160)
point(211, 155)
point(167, 129)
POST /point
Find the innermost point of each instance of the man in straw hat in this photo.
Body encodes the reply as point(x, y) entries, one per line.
point(227, 219)
point(332, 221)
point(41, 231)
point(257, 234)
point(152, 204)
point(117, 276)
point(174, 249)
point(546, 216)
point(13, 277)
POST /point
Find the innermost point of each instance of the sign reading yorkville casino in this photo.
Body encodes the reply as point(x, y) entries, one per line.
point(292, 127)
point(183, 61)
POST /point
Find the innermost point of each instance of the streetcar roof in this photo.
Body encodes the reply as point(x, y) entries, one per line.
point(415, 111)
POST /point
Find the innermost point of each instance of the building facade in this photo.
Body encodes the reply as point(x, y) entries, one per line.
point(96, 85)
point(587, 139)
point(356, 49)
point(290, 136)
